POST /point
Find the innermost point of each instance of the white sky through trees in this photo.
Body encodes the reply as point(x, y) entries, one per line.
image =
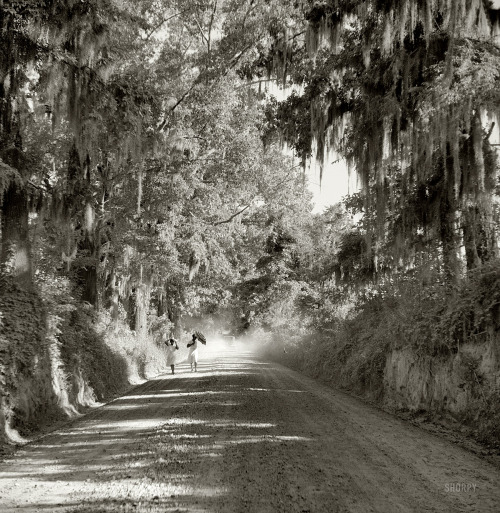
point(334, 184)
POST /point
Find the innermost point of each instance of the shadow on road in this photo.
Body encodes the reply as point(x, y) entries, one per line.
point(242, 435)
point(168, 445)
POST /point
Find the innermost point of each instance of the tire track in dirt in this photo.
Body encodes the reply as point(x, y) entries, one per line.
point(242, 435)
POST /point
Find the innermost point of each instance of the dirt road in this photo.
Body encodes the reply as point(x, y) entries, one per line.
point(243, 435)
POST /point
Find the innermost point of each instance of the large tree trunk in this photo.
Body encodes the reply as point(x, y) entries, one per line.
point(129, 303)
point(487, 246)
point(16, 250)
point(115, 297)
point(173, 304)
point(80, 202)
point(479, 236)
point(470, 242)
point(479, 222)
point(449, 234)
point(88, 274)
point(142, 301)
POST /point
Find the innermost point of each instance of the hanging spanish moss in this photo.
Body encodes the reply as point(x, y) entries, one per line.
point(48, 54)
point(415, 83)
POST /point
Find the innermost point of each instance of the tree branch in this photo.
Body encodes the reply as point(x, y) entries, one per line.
point(232, 217)
point(209, 42)
point(39, 187)
point(488, 134)
point(201, 32)
point(251, 8)
point(231, 64)
point(164, 20)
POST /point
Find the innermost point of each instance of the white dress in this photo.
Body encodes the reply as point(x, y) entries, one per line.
point(193, 353)
point(171, 354)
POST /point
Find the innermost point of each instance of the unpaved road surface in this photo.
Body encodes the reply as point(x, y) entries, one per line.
point(243, 435)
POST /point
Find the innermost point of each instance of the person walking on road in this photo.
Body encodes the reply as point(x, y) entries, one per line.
point(172, 347)
point(193, 353)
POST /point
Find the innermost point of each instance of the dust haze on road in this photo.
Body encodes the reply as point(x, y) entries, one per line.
point(243, 435)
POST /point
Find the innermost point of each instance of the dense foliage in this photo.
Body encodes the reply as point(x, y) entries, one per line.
point(144, 189)
point(137, 188)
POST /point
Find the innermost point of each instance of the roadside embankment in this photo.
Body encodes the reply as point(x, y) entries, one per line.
point(58, 359)
point(428, 353)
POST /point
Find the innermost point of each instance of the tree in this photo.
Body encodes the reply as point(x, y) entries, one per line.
point(403, 90)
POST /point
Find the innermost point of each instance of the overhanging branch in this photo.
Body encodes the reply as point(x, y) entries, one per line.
point(228, 220)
